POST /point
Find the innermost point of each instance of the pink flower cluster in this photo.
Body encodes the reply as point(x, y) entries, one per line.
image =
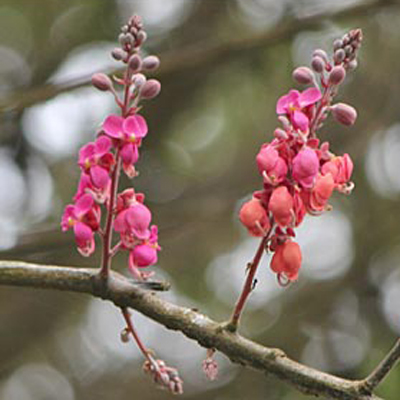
point(117, 146)
point(299, 172)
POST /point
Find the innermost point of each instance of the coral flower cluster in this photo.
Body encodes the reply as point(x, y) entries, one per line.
point(299, 172)
point(117, 147)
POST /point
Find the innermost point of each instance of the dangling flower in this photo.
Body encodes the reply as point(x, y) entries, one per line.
point(305, 167)
point(271, 166)
point(254, 217)
point(281, 205)
point(286, 260)
point(84, 218)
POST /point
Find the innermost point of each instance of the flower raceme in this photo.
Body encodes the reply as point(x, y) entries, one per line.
point(117, 145)
point(299, 173)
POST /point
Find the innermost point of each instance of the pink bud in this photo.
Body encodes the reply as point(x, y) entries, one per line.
point(344, 113)
point(317, 64)
point(142, 256)
point(337, 75)
point(139, 80)
point(118, 54)
point(281, 206)
point(303, 75)
point(287, 260)
point(150, 89)
point(102, 82)
point(135, 63)
point(150, 63)
point(254, 217)
point(305, 167)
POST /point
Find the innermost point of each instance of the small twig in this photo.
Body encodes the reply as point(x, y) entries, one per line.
point(369, 384)
point(248, 285)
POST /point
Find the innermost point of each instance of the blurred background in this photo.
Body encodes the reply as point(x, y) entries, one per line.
point(224, 63)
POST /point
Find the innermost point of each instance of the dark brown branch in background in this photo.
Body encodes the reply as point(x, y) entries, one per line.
point(208, 333)
point(200, 56)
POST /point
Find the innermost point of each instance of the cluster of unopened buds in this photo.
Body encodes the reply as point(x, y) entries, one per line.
point(299, 172)
point(117, 146)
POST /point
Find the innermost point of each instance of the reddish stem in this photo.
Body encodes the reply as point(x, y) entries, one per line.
point(248, 284)
point(108, 231)
point(107, 237)
point(132, 330)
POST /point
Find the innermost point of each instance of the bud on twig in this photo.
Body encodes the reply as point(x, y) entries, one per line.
point(337, 75)
point(151, 63)
point(344, 113)
point(102, 82)
point(303, 75)
point(135, 63)
point(150, 89)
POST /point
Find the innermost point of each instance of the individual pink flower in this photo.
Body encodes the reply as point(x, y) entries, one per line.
point(144, 254)
point(305, 167)
point(317, 200)
point(129, 132)
point(294, 105)
point(281, 205)
point(271, 166)
point(84, 218)
point(133, 224)
point(128, 198)
point(86, 186)
point(340, 167)
point(254, 217)
point(286, 260)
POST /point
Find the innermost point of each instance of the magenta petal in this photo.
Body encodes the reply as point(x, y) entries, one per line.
point(143, 256)
point(99, 177)
point(86, 152)
point(113, 126)
point(83, 205)
point(82, 233)
point(102, 145)
point(120, 224)
point(309, 96)
point(68, 213)
point(129, 154)
point(137, 125)
point(300, 121)
point(282, 105)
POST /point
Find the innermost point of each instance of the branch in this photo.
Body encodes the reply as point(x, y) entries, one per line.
point(208, 333)
point(199, 56)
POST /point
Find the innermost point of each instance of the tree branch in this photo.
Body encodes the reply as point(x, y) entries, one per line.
point(200, 56)
point(208, 333)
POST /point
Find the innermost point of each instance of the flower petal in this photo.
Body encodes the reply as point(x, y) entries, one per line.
point(102, 145)
point(300, 120)
point(113, 126)
point(137, 125)
point(100, 177)
point(309, 96)
point(83, 205)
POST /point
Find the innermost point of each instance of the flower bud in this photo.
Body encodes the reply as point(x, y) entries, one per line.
point(118, 54)
point(337, 75)
point(141, 38)
point(352, 65)
point(344, 113)
point(124, 336)
point(150, 89)
point(322, 54)
point(317, 64)
point(139, 80)
point(280, 134)
point(102, 82)
point(338, 56)
point(337, 44)
point(135, 63)
point(150, 63)
point(303, 75)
